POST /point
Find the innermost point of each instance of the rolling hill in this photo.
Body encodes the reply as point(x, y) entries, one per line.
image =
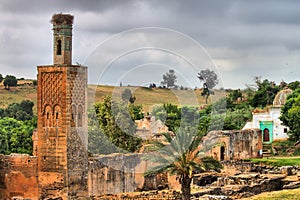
point(144, 96)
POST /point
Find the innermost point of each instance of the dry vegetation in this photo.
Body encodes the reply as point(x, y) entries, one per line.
point(151, 97)
point(144, 96)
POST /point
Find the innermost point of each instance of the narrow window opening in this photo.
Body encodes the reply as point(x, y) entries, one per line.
point(47, 115)
point(57, 115)
point(79, 119)
point(58, 49)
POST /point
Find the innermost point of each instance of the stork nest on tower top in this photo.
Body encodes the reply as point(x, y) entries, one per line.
point(60, 19)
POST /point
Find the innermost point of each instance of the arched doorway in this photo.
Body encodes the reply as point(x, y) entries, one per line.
point(222, 153)
point(266, 136)
point(266, 128)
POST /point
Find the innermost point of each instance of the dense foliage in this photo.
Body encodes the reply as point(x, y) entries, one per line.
point(117, 124)
point(265, 94)
point(223, 114)
point(99, 143)
point(17, 124)
point(290, 114)
point(9, 81)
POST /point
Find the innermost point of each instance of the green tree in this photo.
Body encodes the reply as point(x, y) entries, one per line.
point(1, 78)
point(99, 143)
point(19, 111)
point(34, 82)
point(168, 113)
point(235, 95)
point(127, 96)
point(116, 123)
point(181, 156)
point(136, 112)
point(265, 93)
point(209, 77)
point(169, 79)
point(10, 81)
point(16, 136)
point(290, 114)
point(294, 85)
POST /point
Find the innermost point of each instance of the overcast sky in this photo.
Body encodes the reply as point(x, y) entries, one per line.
point(237, 39)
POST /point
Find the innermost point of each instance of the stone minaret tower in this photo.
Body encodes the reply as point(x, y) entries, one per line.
point(62, 119)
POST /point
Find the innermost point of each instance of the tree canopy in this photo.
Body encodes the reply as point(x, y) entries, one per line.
point(9, 81)
point(290, 114)
point(19, 111)
point(169, 79)
point(209, 77)
point(117, 124)
point(265, 94)
point(17, 123)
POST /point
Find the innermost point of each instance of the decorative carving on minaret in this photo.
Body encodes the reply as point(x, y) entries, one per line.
point(51, 89)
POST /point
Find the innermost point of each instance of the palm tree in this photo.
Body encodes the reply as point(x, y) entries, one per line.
point(181, 156)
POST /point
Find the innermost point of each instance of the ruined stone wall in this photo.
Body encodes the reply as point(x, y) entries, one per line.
point(18, 176)
point(233, 145)
point(114, 174)
point(119, 173)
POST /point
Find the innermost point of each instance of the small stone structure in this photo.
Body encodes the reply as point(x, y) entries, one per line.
point(233, 145)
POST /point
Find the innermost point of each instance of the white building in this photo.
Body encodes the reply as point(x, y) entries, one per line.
point(268, 120)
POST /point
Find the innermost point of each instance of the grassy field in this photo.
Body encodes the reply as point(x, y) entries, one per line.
point(277, 195)
point(278, 161)
point(22, 93)
point(144, 96)
point(151, 97)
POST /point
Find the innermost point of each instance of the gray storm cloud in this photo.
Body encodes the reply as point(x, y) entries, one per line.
point(244, 38)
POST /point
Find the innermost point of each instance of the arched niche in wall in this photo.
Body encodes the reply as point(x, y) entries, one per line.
point(80, 116)
point(48, 116)
point(57, 116)
point(73, 115)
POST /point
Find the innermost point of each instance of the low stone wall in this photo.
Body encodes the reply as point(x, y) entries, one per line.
point(120, 173)
point(18, 176)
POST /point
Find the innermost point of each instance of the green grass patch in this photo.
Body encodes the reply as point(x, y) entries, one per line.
point(277, 161)
point(283, 194)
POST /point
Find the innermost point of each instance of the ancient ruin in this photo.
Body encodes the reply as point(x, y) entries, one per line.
point(60, 167)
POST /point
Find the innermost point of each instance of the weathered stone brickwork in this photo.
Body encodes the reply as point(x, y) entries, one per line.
point(233, 145)
point(18, 177)
point(119, 173)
